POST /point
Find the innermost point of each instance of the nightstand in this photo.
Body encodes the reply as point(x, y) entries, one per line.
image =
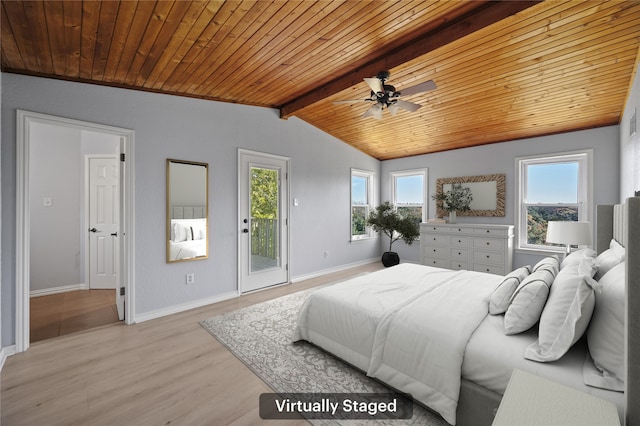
point(534, 401)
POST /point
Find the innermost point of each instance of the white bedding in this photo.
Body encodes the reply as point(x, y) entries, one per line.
point(407, 326)
point(491, 356)
point(187, 249)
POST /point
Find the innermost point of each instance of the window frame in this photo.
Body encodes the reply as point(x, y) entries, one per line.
point(584, 158)
point(405, 173)
point(370, 179)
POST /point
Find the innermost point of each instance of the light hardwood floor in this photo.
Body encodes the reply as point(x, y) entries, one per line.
point(164, 371)
point(65, 313)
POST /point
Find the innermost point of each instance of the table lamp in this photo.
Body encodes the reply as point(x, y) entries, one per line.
point(569, 233)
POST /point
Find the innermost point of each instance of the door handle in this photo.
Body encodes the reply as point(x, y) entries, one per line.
point(115, 234)
point(93, 230)
point(245, 230)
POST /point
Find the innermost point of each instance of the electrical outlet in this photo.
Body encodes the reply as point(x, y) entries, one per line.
point(191, 278)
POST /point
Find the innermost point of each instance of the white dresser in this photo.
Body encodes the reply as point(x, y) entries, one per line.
point(474, 247)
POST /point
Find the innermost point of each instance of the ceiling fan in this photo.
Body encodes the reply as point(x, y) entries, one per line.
point(385, 95)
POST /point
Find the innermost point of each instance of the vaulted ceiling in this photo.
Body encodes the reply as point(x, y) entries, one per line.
point(503, 70)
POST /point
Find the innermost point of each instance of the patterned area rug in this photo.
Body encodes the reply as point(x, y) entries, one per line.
point(260, 336)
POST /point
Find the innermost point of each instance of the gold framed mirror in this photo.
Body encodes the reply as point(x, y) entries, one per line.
point(187, 210)
point(488, 193)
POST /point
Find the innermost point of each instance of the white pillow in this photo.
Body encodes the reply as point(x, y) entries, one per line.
point(501, 296)
point(576, 257)
point(609, 258)
point(527, 302)
point(605, 336)
point(567, 313)
point(551, 263)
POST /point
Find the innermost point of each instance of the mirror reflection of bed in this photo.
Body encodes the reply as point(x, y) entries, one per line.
point(187, 210)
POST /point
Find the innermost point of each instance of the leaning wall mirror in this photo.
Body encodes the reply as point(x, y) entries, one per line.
point(488, 193)
point(187, 210)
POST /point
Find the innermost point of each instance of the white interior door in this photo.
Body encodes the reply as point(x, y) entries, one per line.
point(104, 219)
point(263, 223)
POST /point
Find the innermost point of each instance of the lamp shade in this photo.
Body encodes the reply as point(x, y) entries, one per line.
point(569, 233)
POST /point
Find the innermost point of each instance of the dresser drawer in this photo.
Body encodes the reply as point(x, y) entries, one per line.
point(492, 257)
point(436, 239)
point(458, 266)
point(491, 232)
point(488, 243)
point(461, 241)
point(491, 269)
point(459, 254)
point(438, 263)
point(437, 252)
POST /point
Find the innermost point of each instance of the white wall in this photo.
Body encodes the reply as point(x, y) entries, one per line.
point(58, 232)
point(55, 230)
point(192, 129)
point(500, 158)
point(630, 144)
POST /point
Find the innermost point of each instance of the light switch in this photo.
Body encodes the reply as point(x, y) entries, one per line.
point(46, 202)
point(295, 202)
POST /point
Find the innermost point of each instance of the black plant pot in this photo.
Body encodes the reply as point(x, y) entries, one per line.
point(390, 258)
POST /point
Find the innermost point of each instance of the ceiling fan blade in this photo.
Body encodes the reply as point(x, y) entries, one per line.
point(375, 84)
point(419, 88)
point(409, 106)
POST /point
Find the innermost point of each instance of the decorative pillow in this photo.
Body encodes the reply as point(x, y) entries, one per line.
point(609, 258)
point(576, 257)
point(567, 313)
point(605, 335)
point(551, 263)
point(527, 302)
point(501, 296)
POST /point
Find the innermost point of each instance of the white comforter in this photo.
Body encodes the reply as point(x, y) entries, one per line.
point(407, 326)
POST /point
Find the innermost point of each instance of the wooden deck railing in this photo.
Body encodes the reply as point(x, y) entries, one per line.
point(264, 237)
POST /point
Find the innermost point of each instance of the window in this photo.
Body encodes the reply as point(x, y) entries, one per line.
point(408, 193)
point(554, 187)
point(361, 203)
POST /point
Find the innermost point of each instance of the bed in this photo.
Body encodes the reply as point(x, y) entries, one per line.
point(428, 331)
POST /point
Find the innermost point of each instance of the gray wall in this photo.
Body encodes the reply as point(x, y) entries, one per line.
point(191, 129)
point(630, 145)
point(500, 158)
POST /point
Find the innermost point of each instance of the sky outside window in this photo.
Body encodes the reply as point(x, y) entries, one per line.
point(409, 189)
point(552, 183)
point(358, 190)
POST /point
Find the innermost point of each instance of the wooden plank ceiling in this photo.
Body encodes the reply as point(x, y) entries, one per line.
point(503, 70)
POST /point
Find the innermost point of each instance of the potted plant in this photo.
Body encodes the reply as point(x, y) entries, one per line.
point(387, 220)
point(457, 199)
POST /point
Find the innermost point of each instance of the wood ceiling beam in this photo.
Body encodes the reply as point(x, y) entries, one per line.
point(489, 13)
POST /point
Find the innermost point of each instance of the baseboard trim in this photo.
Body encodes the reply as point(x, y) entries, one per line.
point(334, 269)
point(175, 309)
point(6, 352)
point(56, 290)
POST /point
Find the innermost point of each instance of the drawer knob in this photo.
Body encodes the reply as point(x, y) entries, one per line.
point(487, 269)
point(459, 230)
point(488, 256)
point(434, 250)
point(487, 231)
point(459, 241)
point(488, 243)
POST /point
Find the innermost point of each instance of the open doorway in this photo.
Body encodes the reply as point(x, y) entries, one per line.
point(74, 207)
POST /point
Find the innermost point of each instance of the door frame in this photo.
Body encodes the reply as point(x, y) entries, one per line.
point(127, 243)
point(286, 206)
